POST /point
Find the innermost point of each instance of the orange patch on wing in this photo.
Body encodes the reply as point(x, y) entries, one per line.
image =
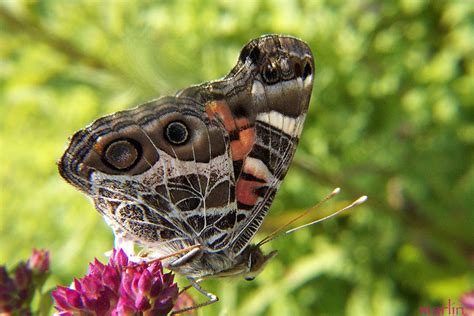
point(242, 146)
point(242, 123)
point(221, 109)
point(245, 191)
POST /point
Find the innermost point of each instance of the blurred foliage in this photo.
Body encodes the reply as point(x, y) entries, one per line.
point(392, 116)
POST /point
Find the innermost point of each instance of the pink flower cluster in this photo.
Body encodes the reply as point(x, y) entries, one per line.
point(120, 287)
point(467, 300)
point(18, 286)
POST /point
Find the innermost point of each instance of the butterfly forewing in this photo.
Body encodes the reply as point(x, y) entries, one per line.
point(262, 105)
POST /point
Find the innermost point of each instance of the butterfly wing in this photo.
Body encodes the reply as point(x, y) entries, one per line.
point(261, 105)
point(158, 173)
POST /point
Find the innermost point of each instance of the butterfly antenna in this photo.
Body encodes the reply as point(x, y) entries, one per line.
point(275, 233)
point(359, 201)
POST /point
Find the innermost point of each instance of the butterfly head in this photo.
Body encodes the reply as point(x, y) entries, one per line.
point(256, 261)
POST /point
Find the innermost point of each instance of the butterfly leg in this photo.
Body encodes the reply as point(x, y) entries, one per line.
point(182, 260)
point(195, 284)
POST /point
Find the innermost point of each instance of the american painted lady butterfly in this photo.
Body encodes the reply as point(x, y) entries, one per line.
point(199, 170)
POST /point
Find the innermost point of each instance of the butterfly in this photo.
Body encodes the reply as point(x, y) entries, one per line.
point(191, 177)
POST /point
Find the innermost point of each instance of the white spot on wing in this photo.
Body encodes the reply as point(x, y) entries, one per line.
point(308, 81)
point(258, 92)
point(258, 169)
point(289, 125)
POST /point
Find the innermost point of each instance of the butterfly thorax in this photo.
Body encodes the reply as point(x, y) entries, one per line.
point(205, 264)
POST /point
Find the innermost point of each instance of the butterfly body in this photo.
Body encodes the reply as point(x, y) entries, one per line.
point(201, 167)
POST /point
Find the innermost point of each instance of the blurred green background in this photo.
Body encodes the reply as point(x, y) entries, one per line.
point(391, 116)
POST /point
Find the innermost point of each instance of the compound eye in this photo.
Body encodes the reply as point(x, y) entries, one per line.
point(122, 154)
point(270, 74)
point(176, 133)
